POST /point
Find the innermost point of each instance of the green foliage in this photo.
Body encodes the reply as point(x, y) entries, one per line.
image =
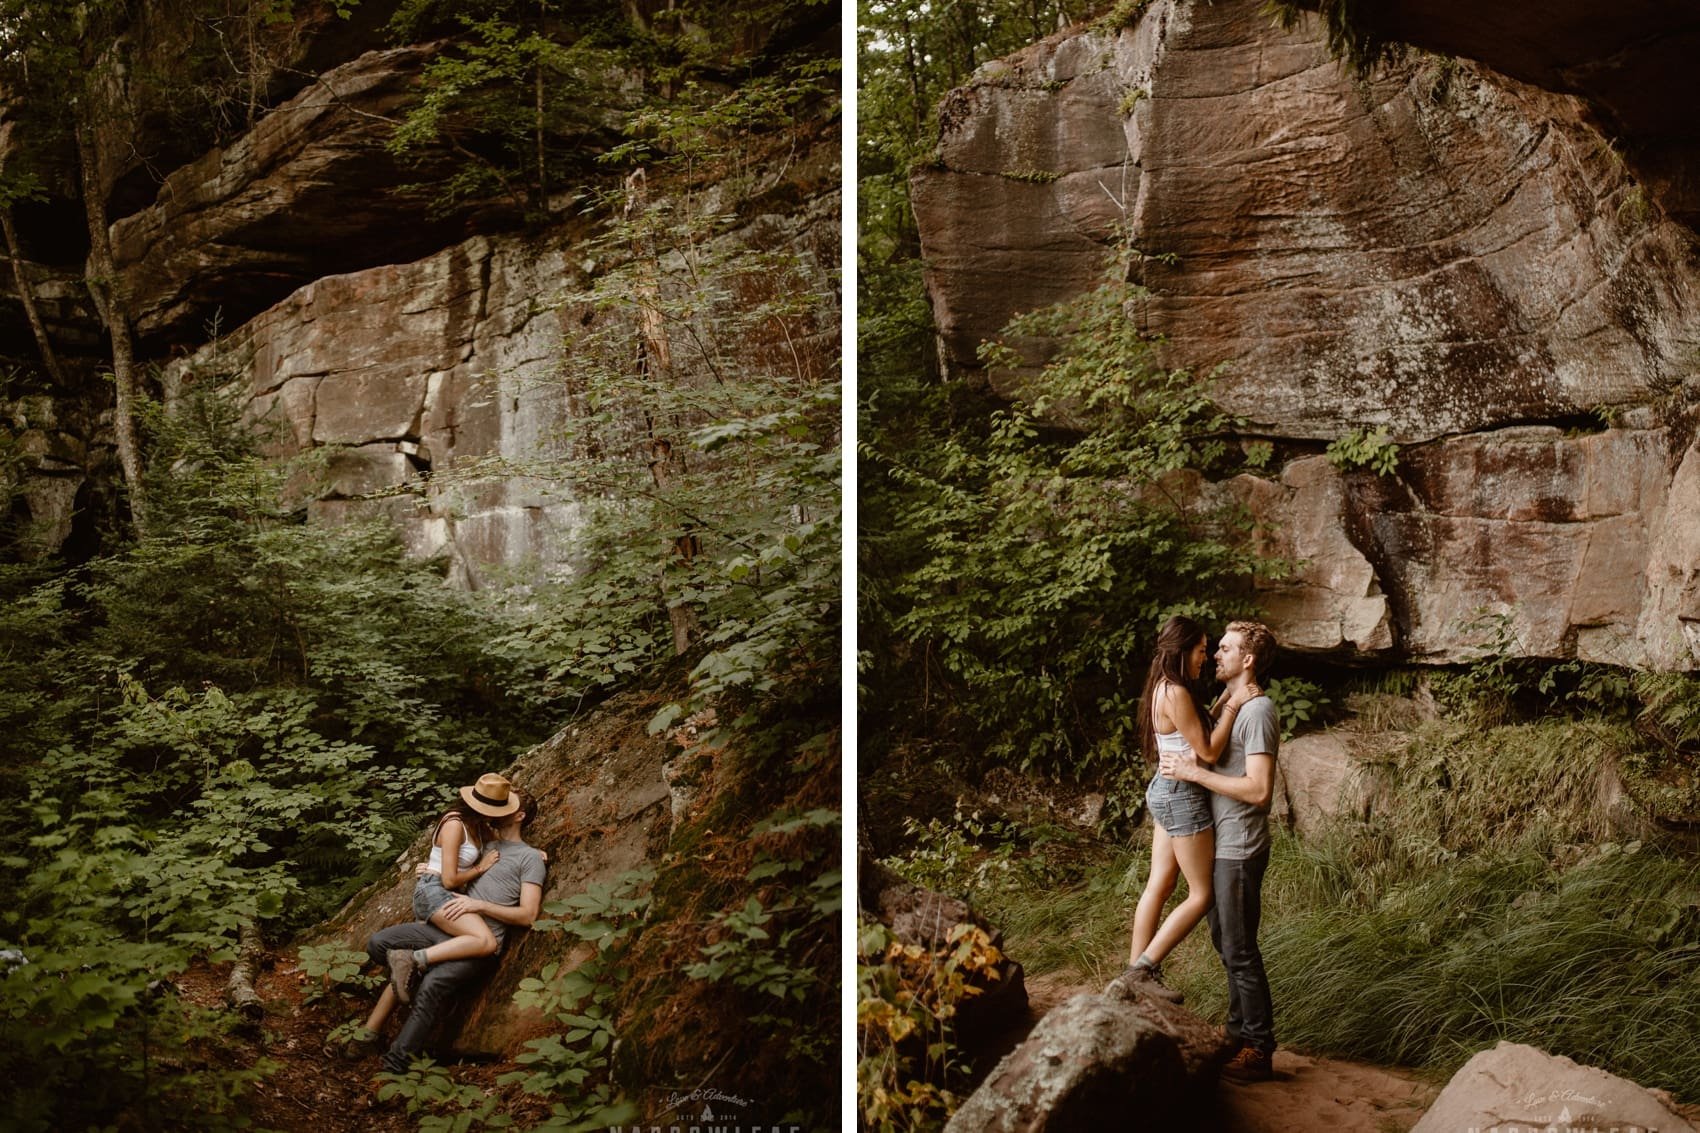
point(1502, 684)
point(1364, 448)
point(1027, 565)
point(970, 855)
point(1298, 703)
point(525, 90)
point(441, 1104)
point(208, 729)
point(507, 92)
point(1593, 960)
point(331, 966)
point(1124, 13)
point(759, 946)
point(1354, 36)
point(573, 1068)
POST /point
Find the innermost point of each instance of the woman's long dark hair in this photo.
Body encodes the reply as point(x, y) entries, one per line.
point(476, 825)
point(1174, 641)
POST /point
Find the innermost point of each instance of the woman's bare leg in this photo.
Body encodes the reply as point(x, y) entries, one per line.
point(472, 939)
point(1158, 886)
point(381, 1010)
point(1196, 854)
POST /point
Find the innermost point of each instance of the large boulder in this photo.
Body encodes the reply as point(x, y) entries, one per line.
point(1436, 249)
point(1439, 251)
point(305, 193)
point(1513, 1088)
point(1096, 1060)
point(1318, 778)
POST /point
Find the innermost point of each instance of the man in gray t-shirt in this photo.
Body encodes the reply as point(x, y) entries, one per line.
point(501, 891)
point(508, 894)
point(1241, 786)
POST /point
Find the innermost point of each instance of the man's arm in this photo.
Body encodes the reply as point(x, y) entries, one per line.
point(1256, 786)
point(521, 915)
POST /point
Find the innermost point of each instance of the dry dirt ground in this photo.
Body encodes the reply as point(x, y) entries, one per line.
point(312, 1090)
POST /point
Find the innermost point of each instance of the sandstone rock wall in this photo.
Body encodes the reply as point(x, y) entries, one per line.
point(1439, 251)
point(425, 352)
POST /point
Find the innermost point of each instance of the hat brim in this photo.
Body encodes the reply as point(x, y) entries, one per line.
point(469, 795)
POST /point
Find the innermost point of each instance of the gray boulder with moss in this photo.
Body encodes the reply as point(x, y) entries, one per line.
point(1094, 1061)
point(1514, 1086)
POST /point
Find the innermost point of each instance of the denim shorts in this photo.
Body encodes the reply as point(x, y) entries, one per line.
point(1179, 807)
point(429, 895)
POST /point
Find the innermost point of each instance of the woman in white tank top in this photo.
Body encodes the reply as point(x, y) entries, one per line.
point(454, 863)
point(1183, 841)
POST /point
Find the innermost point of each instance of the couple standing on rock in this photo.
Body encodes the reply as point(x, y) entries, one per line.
point(477, 845)
point(1209, 805)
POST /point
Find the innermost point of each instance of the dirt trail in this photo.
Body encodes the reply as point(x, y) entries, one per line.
point(311, 1090)
point(1306, 1093)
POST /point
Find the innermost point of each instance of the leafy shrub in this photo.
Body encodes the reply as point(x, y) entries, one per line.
point(208, 729)
point(907, 996)
point(970, 855)
point(1298, 703)
point(441, 1104)
point(573, 1069)
point(1363, 448)
point(1028, 565)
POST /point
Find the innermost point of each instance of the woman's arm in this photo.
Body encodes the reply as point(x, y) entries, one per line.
point(1184, 715)
point(449, 838)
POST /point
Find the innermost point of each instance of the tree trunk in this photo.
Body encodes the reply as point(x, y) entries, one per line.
point(27, 296)
point(239, 991)
point(655, 357)
point(102, 284)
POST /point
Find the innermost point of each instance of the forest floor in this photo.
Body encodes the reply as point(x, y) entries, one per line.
point(311, 1089)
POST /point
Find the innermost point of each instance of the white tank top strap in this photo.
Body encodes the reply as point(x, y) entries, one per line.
point(467, 856)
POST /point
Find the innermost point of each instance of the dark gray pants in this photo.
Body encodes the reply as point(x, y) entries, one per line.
point(435, 992)
point(1234, 918)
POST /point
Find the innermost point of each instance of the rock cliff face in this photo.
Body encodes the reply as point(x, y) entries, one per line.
point(1441, 251)
point(287, 266)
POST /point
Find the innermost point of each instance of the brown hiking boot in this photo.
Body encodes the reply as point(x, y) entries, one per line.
point(403, 973)
point(1152, 980)
point(1250, 1065)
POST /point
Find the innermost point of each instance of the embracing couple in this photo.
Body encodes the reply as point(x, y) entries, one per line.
point(479, 847)
point(1209, 803)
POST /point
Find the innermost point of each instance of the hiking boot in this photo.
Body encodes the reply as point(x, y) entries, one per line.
point(1230, 1040)
point(403, 973)
point(1250, 1065)
point(1151, 979)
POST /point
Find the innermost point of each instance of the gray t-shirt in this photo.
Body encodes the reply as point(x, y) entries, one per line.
point(500, 884)
point(1242, 830)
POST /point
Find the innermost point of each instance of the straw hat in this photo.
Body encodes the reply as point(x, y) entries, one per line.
point(492, 796)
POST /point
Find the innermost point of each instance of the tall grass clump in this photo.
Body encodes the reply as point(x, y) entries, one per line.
point(1485, 900)
point(1595, 962)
